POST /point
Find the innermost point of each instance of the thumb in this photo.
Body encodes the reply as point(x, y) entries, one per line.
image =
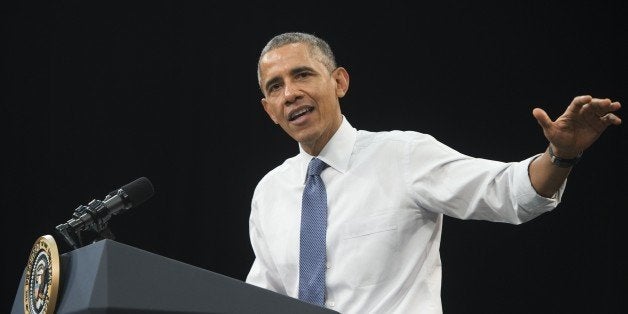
point(542, 118)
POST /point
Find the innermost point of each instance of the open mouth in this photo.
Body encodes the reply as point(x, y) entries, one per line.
point(299, 113)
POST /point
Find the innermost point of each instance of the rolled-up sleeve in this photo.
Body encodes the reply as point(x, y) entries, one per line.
point(445, 181)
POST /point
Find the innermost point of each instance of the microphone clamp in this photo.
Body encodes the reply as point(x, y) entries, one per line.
point(92, 218)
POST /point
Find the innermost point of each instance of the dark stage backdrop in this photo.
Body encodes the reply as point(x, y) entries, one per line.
point(96, 94)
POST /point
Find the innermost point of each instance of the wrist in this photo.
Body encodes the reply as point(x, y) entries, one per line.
point(564, 153)
point(563, 159)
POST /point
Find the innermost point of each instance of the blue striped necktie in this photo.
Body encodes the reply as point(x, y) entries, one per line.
point(312, 259)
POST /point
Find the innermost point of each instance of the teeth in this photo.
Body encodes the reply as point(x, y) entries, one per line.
point(298, 113)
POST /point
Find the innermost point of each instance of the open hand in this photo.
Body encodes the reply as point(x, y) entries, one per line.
point(579, 126)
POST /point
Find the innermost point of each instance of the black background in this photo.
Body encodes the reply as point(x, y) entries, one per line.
point(97, 94)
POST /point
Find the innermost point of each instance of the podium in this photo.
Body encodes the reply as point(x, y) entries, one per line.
point(111, 277)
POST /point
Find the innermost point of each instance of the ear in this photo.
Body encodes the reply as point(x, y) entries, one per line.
point(341, 76)
point(268, 110)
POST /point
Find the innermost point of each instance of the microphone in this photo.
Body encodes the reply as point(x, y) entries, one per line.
point(130, 195)
point(95, 216)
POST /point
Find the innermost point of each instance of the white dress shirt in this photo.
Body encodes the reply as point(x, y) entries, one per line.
point(387, 193)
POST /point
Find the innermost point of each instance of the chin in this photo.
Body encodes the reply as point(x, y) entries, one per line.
point(305, 137)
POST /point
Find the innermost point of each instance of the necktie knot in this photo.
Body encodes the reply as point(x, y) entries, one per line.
point(315, 167)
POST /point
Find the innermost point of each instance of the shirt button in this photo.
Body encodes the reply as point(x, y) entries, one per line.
point(328, 267)
point(331, 303)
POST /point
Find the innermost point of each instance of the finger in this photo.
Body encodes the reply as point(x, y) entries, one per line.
point(615, 106)
point(578, 102)
point(600, 106)
point(542, 118)
point(594, 109)
point(588, 110)
point(610, 118)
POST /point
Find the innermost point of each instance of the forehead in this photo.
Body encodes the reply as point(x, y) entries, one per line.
point(283, 59)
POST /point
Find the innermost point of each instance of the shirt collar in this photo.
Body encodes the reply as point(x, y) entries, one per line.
point(337, 152)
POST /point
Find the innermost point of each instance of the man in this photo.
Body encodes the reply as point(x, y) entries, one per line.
point(385, 193)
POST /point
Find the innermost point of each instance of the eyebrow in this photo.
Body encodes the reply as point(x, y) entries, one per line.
point(292, 73)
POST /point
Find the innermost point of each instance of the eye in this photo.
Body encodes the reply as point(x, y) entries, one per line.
point(273, 87)
point(302, 74)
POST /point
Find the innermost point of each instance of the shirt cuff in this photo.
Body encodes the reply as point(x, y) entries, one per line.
point(526, 195)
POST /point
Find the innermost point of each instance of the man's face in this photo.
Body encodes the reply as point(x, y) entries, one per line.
point(301, 95)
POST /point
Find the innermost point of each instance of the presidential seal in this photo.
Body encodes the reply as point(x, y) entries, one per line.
point(41, 280)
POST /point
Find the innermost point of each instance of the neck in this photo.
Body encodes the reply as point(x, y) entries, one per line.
point(317, 146)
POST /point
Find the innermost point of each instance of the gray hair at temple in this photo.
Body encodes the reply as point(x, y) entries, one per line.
point(318, 48)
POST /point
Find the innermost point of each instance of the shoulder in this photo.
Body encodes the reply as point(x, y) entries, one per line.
point(401, 145)
point(285, 172)
point(393, 137)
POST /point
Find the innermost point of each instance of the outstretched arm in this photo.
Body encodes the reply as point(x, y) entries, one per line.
point(573, 132)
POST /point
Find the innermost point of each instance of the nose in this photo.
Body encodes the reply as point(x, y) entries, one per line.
point(292, 92)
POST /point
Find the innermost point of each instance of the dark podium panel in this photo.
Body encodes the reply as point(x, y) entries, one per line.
point(111, 277)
